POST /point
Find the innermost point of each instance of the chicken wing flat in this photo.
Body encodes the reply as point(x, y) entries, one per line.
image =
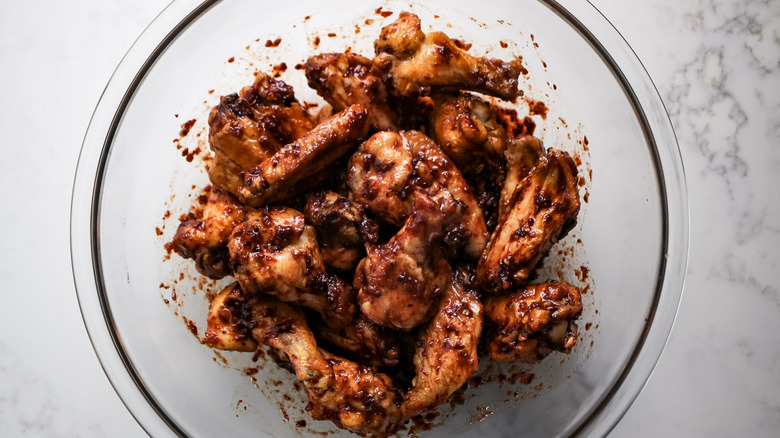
point(353, 396)
point(544, 207)
point(345, 79)
point(204, 235)
point(522, 154)
point(466, 129)
point(446, 354)
point(276, 253)
point(229, 323)
point(417, 64)
point(390, 167)
point(342, 227)
point(300, 165)
point(398, 282)
point(533, 322)
point(249, 127)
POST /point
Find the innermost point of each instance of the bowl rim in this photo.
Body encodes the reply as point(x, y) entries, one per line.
point(584, 17)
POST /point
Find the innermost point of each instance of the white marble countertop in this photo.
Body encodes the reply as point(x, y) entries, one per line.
point(716, 64)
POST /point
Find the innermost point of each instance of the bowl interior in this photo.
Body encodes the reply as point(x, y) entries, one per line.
point(155, 303)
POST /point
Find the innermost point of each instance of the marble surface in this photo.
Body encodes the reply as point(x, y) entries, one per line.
point(715, 63)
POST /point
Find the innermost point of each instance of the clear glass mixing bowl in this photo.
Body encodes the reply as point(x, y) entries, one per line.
point(132, 183)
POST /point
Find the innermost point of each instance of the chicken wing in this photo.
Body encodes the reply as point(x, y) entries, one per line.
point(398, 282)
point(345, 79)
point(390, 167)
point(415, 64)
point(466, 129)
point(533, 322)
point(367, 342)
point(353, 396)
point(543, 209)
point(249, 127)
point(229, 323)
point(447, 349)
point(342, 228)
point(274, 252)
point(204, 235)
point(522, 154)
point(300, 164)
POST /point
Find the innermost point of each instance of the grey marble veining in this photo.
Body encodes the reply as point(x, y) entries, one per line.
point(716, 65)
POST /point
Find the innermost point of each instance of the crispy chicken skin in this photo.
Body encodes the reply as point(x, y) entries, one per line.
point(342, 228)
point(390, 167)
point(446, 354)
point(533, 322)
point(248, 127)
point(300, 165)
point(415, 64)
point(276, 253)
point(398, 282)
point(369, 343)
point(353, 396)
point(229, 323)
point(522, 154)
point(543, 209)
point(345, 79)
point(466, 129)
point(204, 235)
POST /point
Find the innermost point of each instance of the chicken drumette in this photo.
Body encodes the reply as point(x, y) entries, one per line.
point(446, 353)
point(342, 228)
point(204, 235)
point(300, 165)
point(353, 396)
point(276, 253)
point(248, 127)
point(398, 282)
point(390, 167)
point(466, 129)
point(416, 63)
point(533, 322)
point(544, 207)
point(367, 342)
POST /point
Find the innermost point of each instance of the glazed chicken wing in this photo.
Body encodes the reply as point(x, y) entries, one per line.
point(447, 349)
point(390, 167)
point(342, 227)
point(398, 282)
point(534, 321)
point(368, 342)
point(275, 253)
point(522, 154)
point(416, 63)
point(229, 323)
point(301, 164)
point(248, 127)
point(543, 209)
point(204, 235)
point(353, 396)
point(466, 129)
point(345, 79)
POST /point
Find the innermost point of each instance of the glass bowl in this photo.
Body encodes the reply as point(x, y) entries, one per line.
point(138, 172)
